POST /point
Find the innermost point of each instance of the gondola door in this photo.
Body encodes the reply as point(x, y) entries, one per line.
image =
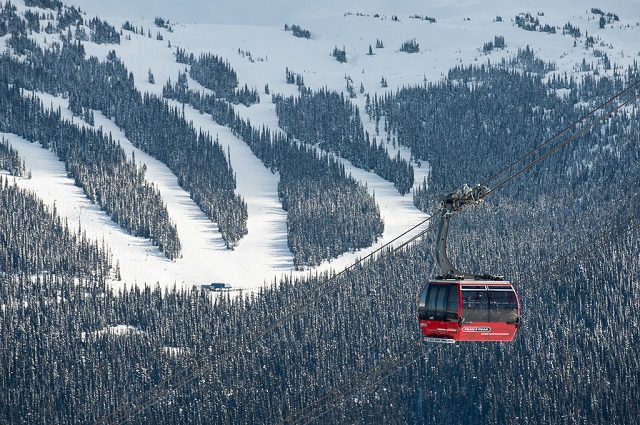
point(489, 311)
point(438, 310)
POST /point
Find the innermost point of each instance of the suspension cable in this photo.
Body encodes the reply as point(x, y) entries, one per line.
point(205, 362)
point(192, 371)
point(605, 237)
point(344, 389)
point(564, 143)
point(373, 375)
point(347, 386)
point(362, 381)
point(558, 134)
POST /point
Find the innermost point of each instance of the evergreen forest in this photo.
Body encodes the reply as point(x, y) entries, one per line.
point(148, 121)
point(330, 121)
point(96, 163)
point(314, 189)
point(73, 350)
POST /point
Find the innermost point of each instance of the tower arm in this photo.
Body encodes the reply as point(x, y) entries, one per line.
point(451, 204)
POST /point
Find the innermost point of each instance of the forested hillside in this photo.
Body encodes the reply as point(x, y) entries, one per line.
point(195, 158)
point(57, 251)
point(10, 160)
point(314, 189)
point(331, 122)
point(75, 350)
point(574, 344)
point(97, 164)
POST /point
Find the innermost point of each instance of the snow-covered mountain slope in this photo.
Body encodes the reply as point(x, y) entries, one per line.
point(250, 35)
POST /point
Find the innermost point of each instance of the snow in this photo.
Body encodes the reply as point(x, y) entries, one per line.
point(122, 330)
point(235, 30)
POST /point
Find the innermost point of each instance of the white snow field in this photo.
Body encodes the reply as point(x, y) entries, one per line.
point(250, 35)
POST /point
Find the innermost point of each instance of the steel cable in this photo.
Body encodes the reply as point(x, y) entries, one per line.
point(123, 413)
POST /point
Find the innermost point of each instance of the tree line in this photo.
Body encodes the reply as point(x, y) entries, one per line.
point(364, 316)
point(328, 213)
point(476, 116)
point(97, 164)
point(147, 120)
point(328, 120)
point(10, 159)
point(73, 351)
point(215, 74)
point(34, 240)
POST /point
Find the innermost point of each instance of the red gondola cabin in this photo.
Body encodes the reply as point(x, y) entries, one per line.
point(452, 310)
point(459, 306)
